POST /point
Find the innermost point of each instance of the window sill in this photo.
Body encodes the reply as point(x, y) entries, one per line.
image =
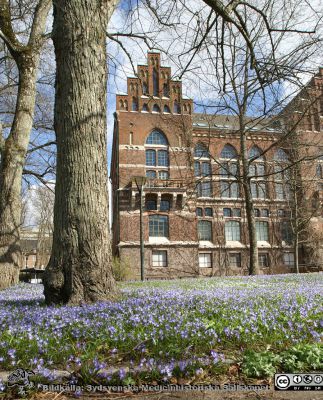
point(263, 243)
point(234, 244)
point(158, 240)
point(205, 243)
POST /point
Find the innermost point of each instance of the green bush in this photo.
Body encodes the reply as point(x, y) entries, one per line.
point(121, 269)
point(258, 365)
point(299, 358)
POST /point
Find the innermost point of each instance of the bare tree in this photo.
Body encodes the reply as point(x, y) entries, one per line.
point(24, 47)
point(80, 266)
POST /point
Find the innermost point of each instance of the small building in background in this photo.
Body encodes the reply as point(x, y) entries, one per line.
point(36, 248)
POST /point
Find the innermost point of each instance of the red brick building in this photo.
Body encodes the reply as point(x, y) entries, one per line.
point(194, 214)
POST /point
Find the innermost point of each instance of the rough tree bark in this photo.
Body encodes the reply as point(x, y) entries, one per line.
point(14, 148)
point(79, 269)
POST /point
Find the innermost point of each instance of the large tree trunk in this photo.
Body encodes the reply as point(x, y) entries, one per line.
point(13, 154)
point(80, 266)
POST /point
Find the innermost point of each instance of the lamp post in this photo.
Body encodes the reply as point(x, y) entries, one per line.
point(140, 183)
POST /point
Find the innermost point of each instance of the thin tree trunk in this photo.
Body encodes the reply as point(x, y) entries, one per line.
point(296, 216)
point(79, 269)
point(296, 261)
point(253, 249)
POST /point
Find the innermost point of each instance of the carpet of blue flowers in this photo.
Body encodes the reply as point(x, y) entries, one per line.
point(164, 330)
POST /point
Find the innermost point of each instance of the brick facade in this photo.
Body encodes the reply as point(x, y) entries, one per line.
point(200, 200)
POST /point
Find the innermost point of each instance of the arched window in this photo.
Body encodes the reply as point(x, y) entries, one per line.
point(156, 137)
point(156, 108)
point(255, 151)
point(177, 108)
point(228, 152)
point(155, 83)
point(157, 156)
point(201, 151)
point(134, 104)
point(280, 155)
point(166, 109)
point(145, 108)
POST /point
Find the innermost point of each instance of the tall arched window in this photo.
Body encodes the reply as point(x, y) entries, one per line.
point(228, 152)
point(157, 155)
point(229, 169)
point(155, 83)
point(257, 172)
point(203, 170)
point(201, 150)
point(145, 108)
point(280, 155)
point(156, 137)
point(255, 151)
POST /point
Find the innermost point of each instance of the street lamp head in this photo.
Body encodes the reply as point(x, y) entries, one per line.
point(139, 181)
